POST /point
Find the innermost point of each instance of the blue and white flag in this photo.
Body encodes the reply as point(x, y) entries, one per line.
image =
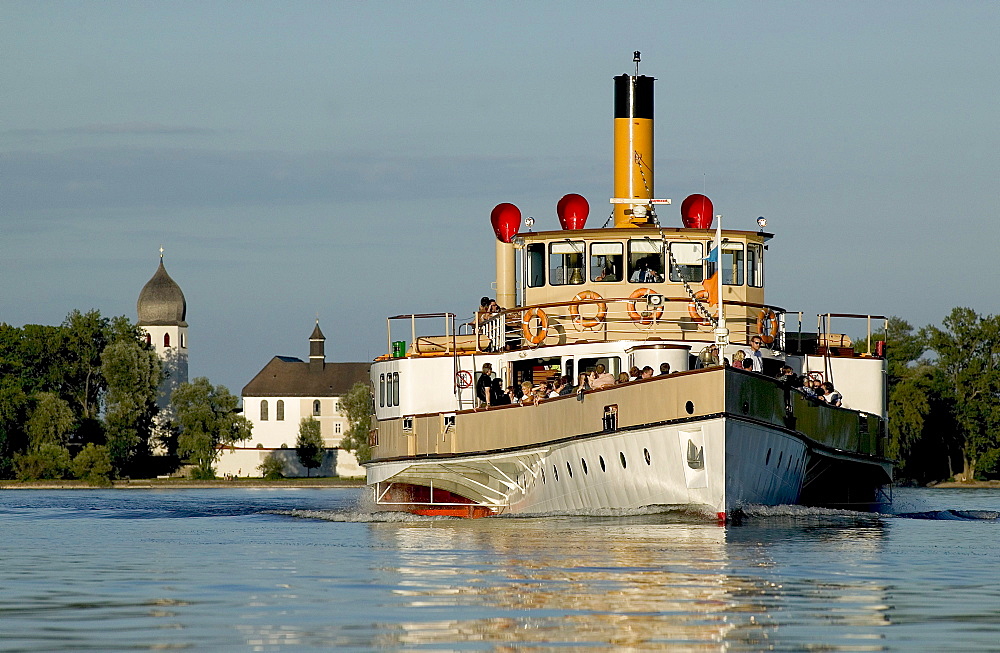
point(713, 255)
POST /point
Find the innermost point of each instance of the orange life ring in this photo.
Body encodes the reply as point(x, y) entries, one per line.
point(650, 316)
point(543, 325)
point(767, 325)
point(588, 322)
point(701, 296)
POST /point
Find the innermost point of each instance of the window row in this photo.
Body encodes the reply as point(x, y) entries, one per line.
point(166, 340)
point(586, 468)
point(644, 262)
point(388, 390)
point(279, 409)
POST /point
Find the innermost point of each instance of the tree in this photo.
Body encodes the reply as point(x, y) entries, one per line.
point(51, 420)
point(132, 372)
point(357, 405)
point(207, 418)
point(93, 464)
point(273, 467)
point(46, 461)
point(968, 358)
point(309, 445)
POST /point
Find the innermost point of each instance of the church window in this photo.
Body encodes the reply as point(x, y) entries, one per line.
point(279, 410)
point(182, 341)
point(336, 428)
point(166, 339)
point(316, 410)
point(263, 411)
point(149, 339)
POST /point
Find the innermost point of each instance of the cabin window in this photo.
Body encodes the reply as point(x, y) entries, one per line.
point(645, 260)
point(612, 364)
point(316, 407)
point(263, 411)
point(755, 265)
point(566, 263)
point(687, 261)
point(732, 264)
point(279, 410)
point(381, 390)
point(607, 262)
point(395, 388)
point(536, 265)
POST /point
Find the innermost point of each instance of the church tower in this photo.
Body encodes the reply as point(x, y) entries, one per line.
point(162, 310)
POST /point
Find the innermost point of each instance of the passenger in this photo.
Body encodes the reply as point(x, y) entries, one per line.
point(527, 395)
point(565, 386)
point(833, 397)
point(482, 314)
point(664, 369)
point(820, 392)
point(623, 377)
point(600, 378)
point(512, 395)
point(635, 373)
point(807, 388)
point(483, 384)
point(746, 364)
point(739, 357)
point(787, 377)
point(644, 273)
point(497, 395)
point(647, 372)
point(607, 274)
point(582, 383)
point(756, 355)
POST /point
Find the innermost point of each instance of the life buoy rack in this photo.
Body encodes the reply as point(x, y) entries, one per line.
point(534, 337)
point(643, 318)
point(582, 322)
point(767, 325)
point(700, 296)
point(463, 378)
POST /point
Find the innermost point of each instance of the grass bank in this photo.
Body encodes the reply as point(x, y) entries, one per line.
point(179, 483)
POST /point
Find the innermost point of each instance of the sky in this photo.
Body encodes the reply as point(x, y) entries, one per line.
point(340, 160)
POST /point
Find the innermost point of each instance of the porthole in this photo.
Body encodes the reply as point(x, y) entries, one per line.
point(645, 454)
point(584, 463)
point(569, 469)
point(603, 467)
point(746, 407)
point(621, 456)
point(555, 473)
point(689, 407)
point(767, 458)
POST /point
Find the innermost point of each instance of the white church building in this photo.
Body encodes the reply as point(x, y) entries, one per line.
point(275, 401)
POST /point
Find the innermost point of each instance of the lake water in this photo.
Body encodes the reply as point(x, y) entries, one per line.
point(289, 570)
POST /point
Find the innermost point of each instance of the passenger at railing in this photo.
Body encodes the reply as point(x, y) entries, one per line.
point(788, 378)
point(497, 395)
point(635, 373)
point(756, 355)
point(832, 397)
point(808, 388)
point(600, 378)
point(739, 357)
point(527, 395)
point(820, 392)
point(482, 314)
point(647, 372)
point(512, 395)
point(746, 364)
point(582, 383)
point(483, 384)
point(664, 369)
point(565, 386)
point(623, 377)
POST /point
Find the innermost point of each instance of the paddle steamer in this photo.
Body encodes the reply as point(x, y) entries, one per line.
point(709, 436)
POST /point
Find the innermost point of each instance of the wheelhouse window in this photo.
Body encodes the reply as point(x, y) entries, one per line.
point(381, 390)
point(395, 388)
point(536, 265)
point(645, 260)
point(687, 262)
point(263, 411)
point(732, 264)
point(566, 263)
point(755, 265)
point(607, 262)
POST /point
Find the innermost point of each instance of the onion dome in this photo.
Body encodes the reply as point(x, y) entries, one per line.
point(161, 302)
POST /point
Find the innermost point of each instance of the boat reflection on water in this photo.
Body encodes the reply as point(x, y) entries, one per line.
point(641, 582)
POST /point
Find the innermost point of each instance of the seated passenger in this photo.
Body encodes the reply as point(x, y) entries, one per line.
point(635, 373)
point(527, 394)
point(664, 369)
point(582, 383)
point(644, 273)
point(600, 378)
point(497, 395)
point(832, 397)
point(746, 364)
point(623, 377)
point(565, 386)
point(647, 372)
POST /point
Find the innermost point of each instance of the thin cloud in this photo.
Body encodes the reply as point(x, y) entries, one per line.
point(126, 128)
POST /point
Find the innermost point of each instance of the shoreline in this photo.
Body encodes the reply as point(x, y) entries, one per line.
point(186, 484)
point(948, 485)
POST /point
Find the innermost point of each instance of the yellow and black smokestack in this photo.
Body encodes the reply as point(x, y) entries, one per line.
point(633, 148)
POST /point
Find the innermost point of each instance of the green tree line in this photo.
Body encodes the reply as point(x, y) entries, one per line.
point(944, 397)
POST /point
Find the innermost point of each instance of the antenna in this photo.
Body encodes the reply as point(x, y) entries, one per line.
point(636, 58)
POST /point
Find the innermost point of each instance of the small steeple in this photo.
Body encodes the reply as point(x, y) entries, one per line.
point(317, 356)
